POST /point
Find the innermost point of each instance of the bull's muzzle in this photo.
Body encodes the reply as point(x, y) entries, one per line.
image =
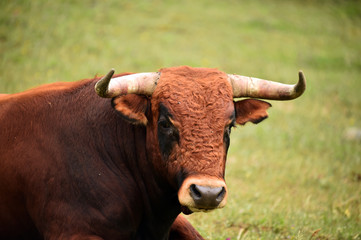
point(203, 193)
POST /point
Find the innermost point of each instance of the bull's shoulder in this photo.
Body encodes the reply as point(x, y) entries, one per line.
point(36, 97)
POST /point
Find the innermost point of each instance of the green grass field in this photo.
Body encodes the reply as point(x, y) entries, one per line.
point(293, 176)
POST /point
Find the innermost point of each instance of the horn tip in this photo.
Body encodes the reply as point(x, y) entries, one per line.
point(301, 85)
point(300, 74)
point(301, 77)
point(101, 87)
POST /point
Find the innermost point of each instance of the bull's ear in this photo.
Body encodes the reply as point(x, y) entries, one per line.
point(132, 108)
point(251, 110)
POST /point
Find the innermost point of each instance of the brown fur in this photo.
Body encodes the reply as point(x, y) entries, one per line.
point(182, 230)
point(71, 168)
point(76, 166)
point(201, 101)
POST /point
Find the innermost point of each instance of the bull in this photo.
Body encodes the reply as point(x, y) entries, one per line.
point(124, 165)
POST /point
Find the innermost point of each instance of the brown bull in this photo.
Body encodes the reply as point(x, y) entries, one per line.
point(77, 166)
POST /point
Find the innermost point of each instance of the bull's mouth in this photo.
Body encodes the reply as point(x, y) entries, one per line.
point(186, 210)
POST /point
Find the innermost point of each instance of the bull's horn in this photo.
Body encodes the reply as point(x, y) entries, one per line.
point(139, 83)
point(258, 88)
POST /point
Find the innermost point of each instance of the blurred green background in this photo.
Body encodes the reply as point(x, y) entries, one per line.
point(296, 175)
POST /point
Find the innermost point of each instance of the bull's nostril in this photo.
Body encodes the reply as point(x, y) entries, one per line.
point(195, 192)
point(220, 196)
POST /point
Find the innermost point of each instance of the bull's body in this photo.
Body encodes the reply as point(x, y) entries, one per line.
point(71, 166)
point(77, 166)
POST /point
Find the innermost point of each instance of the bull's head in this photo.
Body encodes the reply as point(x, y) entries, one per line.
point(189, 113)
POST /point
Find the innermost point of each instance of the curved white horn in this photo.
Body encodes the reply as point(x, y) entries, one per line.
point(258, 88)
point(139, 83)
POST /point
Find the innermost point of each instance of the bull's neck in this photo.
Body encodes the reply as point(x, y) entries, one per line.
point(160, 201)
point(123, 146)
point(128, 145)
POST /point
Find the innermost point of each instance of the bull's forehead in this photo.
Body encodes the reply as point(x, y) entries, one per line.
point(195, 92)
point(200, 102)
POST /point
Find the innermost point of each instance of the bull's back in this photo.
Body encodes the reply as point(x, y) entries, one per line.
point(28, 122)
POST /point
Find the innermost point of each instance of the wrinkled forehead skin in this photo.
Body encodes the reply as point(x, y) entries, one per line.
point(200, 101)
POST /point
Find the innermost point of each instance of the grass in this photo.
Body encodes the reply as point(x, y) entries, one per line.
point(293, 176)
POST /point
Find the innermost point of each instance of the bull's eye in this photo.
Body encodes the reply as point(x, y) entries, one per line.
point(166, 128)
point(226, 137)
point(167, 135)
point(227, 133)
point(164, 124)
point(228, 130)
